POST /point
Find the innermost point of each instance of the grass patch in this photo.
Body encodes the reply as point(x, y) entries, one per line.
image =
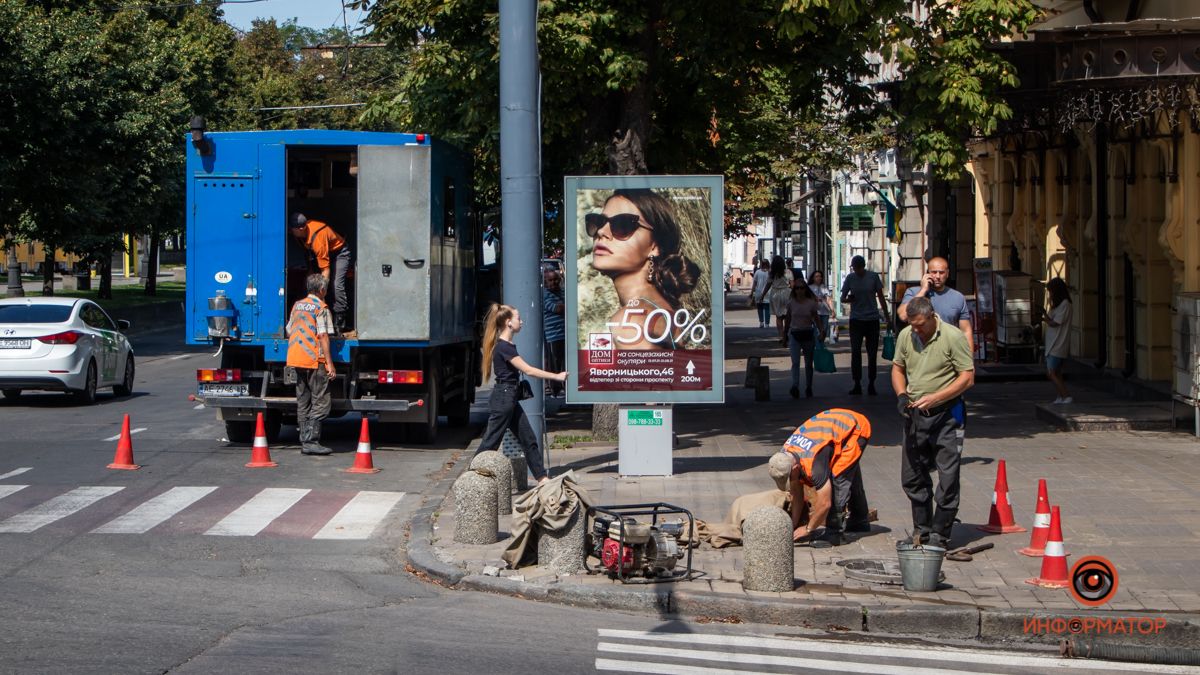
point(563, 441)
point(130, 295)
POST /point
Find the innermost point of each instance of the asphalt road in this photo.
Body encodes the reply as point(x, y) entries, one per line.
point(195, 564)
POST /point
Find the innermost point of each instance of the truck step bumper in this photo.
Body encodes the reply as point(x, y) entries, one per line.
point(288, 403)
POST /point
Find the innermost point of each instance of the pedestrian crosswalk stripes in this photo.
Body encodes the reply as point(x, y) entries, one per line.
point(56, 509)
point(359, 516)
point(250, 518)
point(154, 511)
point(199, 510)
point(689, 653)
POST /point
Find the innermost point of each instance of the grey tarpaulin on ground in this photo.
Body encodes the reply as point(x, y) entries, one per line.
point(548, 506)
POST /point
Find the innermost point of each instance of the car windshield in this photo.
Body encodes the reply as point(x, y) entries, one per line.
point(34, 313)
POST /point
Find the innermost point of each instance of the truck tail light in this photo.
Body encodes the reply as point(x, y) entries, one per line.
point(401, 377)
point(66, 338)
point(219, 375)
point(420, 138)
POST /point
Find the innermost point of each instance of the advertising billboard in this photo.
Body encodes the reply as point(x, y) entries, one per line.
point(645, 298)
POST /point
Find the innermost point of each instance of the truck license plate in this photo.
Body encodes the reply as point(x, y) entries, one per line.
point(16, 343)
point(208, 389)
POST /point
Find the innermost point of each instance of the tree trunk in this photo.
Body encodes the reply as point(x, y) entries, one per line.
point(105, 290)
point(152, 262)
point(48, 269)
point(15, 288)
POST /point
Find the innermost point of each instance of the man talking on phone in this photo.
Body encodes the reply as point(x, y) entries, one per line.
point(950, 305)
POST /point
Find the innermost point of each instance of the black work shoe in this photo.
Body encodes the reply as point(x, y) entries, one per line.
point(938, 541)
point(795, 392)
point(871, 390)
point(856, 391)
point(315, 449)
point(859, 527)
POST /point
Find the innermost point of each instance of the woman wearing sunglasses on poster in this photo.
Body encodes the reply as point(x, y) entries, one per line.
point(636, 244)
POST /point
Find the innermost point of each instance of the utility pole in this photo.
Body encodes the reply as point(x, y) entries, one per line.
point(521, 184)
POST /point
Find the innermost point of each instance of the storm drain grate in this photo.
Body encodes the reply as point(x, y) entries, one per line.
point(876, 570)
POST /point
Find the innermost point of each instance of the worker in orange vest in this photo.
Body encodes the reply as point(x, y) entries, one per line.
point(330, 255)
point(308, 330)
point(823, 453)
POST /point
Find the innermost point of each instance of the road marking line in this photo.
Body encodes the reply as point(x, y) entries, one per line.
point(181, 356)
point(6, 490)
point(667, 668)
point(805, 663)
point(154, 511)
point(360, 516)
point(131, 432)
point(250, 518)
point(55, 509)
point(16, 472)
point(858, 649)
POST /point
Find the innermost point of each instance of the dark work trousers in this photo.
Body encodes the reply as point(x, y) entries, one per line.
point(930, 443)
point(859, 330)
point(506, 413)
point(339, 302)
point(555, 352)
point(848, 492)
point(312, 403)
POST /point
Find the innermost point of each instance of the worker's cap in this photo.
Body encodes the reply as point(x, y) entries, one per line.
point(858, 261)
point(298, 220)
point(780, 465)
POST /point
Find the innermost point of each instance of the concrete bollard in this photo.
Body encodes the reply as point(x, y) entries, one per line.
point(475, 519)
point(520, 473)
point(501, 469)
point(562, 552)
point(762, 383)
point(770, 556)
point(752, 364)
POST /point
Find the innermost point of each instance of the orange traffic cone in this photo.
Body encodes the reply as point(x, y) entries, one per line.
point(123, 459)
point(362, 458)
point(260, 456)
point(1054, 562)
point(1041, 524)
point(1000, 520)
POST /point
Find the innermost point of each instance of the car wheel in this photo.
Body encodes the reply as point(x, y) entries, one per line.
point(12, 394)
point(126, 386)
point(87, 395)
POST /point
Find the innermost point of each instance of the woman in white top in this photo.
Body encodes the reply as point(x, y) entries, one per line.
point(816, 283)
point(1058, 322)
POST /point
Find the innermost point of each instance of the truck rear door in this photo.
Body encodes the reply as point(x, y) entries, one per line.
point(225, 246)
point(393, 270)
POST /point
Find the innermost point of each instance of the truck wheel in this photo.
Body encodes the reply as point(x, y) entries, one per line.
point(239, 431)
point(425, 433)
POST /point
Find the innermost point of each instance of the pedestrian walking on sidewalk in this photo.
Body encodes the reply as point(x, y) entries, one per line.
point(801, 323)
point(308, 329)
point(779, 293)
point(816, 282)
point(504, 410)
point(1058, 325)
point(861, 288)
point(824, 453)
point(553, 328)
point(758, 293)
point(949, 304)
point(931, 370)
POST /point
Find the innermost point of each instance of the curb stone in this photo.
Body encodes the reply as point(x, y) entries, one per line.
point(1180, 631)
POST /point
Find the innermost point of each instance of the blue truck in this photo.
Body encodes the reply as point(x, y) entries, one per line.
point(403, 203)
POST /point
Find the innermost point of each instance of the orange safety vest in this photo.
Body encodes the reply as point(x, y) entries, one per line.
point(322, 242)
point(304, 342)
point(844, 429)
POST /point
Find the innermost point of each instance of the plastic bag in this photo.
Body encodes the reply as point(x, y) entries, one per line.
point(889, 345)
point(823, 359)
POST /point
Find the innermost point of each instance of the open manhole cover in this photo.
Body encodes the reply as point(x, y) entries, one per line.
point(876, 570)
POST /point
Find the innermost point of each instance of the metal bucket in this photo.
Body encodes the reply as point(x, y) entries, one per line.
point(920, 567)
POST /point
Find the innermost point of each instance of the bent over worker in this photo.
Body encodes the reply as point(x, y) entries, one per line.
point(308, 330)
point(823, 453)
point(328, 250)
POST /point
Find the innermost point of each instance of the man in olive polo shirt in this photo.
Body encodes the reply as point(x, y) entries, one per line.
point(932, 369)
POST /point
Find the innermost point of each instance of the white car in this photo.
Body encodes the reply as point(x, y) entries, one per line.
point(62, 344)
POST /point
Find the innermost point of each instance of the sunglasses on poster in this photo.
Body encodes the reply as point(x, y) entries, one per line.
point(622, 225)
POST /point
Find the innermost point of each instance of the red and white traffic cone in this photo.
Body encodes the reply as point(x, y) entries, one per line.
point(260, 455)
point(1041, 524)
point(123, 459)
point(1054, 562)
point(1000, 519)
point(362, 457)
